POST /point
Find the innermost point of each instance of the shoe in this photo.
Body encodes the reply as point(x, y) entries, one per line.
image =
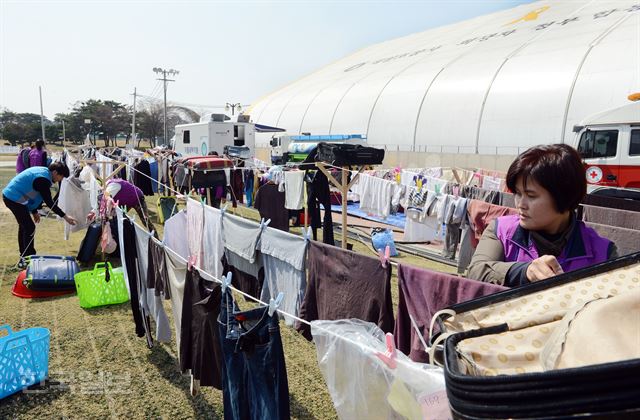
point(22, 264)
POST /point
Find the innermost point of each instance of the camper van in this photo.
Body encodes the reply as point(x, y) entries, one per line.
point(609, 143)
point(213, 134)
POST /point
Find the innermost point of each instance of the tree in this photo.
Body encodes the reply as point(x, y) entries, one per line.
point(21, 127)
point(100, 119)
point(150, 122)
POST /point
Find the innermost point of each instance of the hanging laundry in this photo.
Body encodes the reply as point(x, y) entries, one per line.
point(345, 284)
point(254, 374)
point(318, 193)
point(491, 183)
point(174, 234)
point(200, 349)
point(157, 276)
point(481, 213)
point(246, 277)
point(602, 215)
point(240, 236)
point(90, 183)
point(195, 229)
point(149, 302)
point(627, 241)
point(270, 202)
point(294, 189)
point(212, 246)
point(248, 186)
point(375, 195)
point(283, 256)
point(177, 271)
point(422, 293)
point(128, 257)
point(74, 201)
point(142, 177)
point(362, 386)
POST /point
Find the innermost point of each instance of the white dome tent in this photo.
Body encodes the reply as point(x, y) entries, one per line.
point(496, 84)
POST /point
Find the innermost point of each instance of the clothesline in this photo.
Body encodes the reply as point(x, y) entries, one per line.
point(407, 363)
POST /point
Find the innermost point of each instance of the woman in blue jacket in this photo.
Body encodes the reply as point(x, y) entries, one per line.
point(24, 194)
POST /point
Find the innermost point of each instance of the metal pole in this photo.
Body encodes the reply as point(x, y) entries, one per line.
point(164, 74)
point(64, 136)
point(41, 113)
point(133, 125)
point(345, 190)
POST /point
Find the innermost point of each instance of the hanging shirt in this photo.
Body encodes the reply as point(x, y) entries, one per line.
point(376, 195)
point(270, 202)
point(195, 229)
point(74, 201)
point(176, 271)
point(294, 190)
point(422, 294)
point(346, 284)
point(283, 257)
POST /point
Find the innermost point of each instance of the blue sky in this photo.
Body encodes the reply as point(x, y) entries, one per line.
point(226, 51)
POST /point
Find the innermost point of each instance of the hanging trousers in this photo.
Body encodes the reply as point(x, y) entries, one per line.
point(318, 194)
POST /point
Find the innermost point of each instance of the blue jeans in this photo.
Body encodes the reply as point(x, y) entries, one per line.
point(254, 376)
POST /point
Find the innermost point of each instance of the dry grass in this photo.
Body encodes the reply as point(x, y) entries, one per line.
point(99, 368)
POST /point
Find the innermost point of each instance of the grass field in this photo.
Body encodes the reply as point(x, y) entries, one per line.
point(98, 367)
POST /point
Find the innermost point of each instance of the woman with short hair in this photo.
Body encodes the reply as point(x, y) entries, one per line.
point(545, 238)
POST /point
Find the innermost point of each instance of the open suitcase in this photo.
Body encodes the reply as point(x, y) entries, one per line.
point(536, 351)
point(341, 154)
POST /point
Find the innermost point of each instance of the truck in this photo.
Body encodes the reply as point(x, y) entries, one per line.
point(609, 143)
point(287, 148)
point(215, 132)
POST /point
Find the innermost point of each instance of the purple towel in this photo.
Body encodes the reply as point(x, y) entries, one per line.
point(422, 294)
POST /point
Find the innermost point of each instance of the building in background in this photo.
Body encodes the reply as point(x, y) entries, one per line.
point(495, 84)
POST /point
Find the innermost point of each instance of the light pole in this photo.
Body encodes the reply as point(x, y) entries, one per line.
point(164, 79)
point(233, 107)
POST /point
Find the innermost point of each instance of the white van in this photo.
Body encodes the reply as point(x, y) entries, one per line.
point(609, 142)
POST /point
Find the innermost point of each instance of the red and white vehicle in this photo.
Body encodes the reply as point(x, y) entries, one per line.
point(609, 142)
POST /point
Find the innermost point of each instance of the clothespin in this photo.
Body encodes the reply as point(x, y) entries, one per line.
point(384, 256)
point(306, 234)
point(274, 304)
point(264, 224)
point(191, 262)
point(389, 357)
point(226, 281)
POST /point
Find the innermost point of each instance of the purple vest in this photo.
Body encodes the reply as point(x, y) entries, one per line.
point(129, 195)
point(36, 157)
point(584, 248)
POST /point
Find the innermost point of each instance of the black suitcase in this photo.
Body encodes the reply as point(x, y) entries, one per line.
point(605, 390)
point(349, 154)
point(89, 244)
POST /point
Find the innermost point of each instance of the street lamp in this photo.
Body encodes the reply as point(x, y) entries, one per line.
point(233, 107)
point(170, 72)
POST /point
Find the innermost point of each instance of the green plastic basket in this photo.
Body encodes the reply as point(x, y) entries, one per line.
point(93, 289)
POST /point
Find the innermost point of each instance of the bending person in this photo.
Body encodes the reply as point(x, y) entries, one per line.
point(127, 194)
point(544, 239)
point(24, 194)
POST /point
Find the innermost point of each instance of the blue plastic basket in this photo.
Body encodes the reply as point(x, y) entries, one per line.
point(24, 359)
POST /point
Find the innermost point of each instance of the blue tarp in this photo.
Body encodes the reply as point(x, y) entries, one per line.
point(353, 209)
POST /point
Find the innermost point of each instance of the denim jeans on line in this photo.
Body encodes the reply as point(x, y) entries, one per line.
point(254, 376)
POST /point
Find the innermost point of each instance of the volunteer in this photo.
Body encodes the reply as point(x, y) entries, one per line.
point(544, 239)
point(24, 194)
point(127, 194)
